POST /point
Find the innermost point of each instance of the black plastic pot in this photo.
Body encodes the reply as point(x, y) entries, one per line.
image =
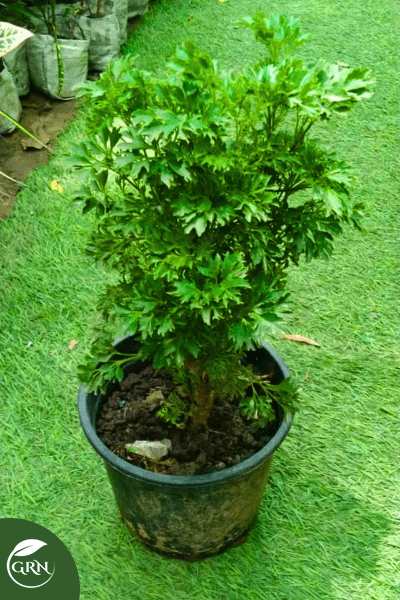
point(188, 516)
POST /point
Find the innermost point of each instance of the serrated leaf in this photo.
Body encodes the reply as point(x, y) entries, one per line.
point(182, 171)
point(242, 335)
point(330, 198)
point(206, 316)
point(138, 166)
point(166, 177)
point(166, 326)
point(199, 224)
point(186, 289)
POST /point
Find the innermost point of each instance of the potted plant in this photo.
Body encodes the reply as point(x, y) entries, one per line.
point(117, 7)
point(58, 62)
point(11, 39)
point(137, 7)
point(206, 186)
point(103, 31)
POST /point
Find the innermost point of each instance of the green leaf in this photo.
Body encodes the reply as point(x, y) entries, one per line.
point(207, 186)
point(242, 334)
point(139, 167)
point(166, 176)
point(199, 224)
point(166, 326)
point(181, 170)
point(186, 290)
point(330, 198)
point(206, 316)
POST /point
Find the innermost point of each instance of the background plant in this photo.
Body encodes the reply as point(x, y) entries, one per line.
point(59, 24)
point(45, 12)
point(207, 186)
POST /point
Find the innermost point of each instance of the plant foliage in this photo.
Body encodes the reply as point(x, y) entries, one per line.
point(11, 37)
point(207, 186)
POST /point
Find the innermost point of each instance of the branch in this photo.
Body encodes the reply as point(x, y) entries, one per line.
point(11, 179)
point(302, 135)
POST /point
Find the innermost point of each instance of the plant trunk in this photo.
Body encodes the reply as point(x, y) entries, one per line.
point(202, 395)
point(99, 12)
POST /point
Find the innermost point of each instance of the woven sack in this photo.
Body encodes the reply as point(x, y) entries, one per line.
point(17, 64)
point(137, 7)
point(44, 68)
point(9, 101)
point(103, 35)
point(118, 7)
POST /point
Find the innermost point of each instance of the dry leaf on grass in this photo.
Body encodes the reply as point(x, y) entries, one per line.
point(72, 344)
point(300, 338)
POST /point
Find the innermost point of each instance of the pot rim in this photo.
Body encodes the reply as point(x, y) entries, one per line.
point(162, 479)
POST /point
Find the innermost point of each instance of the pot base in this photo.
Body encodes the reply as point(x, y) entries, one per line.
point(238, 541)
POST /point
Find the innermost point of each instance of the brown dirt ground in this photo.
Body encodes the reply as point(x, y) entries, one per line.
point(43, 117)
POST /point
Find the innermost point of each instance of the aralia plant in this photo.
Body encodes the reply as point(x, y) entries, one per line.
point(207, 186)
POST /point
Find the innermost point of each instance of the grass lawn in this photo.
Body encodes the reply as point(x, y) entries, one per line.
point(329, 526)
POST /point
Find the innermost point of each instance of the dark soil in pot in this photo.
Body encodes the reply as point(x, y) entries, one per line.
point(130, 414)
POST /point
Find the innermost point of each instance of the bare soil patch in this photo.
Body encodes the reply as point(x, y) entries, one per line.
point(45, 118)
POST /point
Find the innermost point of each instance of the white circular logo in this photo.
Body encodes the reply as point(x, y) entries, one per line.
point(29, 573)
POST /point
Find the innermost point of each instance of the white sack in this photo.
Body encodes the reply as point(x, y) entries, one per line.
point(9, 101)
point(43, 65)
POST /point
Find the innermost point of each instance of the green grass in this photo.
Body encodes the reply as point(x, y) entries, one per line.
point(329, 524)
